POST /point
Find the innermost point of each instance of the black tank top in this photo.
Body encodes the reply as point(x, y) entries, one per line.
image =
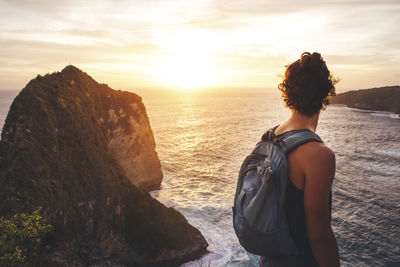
point(294, 208)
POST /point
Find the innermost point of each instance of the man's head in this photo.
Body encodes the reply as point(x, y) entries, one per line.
point(307, 83)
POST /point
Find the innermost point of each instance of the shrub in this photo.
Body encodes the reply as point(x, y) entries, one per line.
point(21, 238)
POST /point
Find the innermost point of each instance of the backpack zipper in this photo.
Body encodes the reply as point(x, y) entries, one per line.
point(267, 168)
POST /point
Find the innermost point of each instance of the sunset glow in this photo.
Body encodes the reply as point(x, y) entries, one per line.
point(191, 45)
point(190, 64)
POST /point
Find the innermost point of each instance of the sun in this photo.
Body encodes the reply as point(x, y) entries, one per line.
point(189, 73)
point(189, 64)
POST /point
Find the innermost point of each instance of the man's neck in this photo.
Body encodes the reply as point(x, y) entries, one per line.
point(300, 121)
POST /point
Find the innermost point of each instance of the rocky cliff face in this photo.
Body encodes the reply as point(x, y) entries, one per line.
point(79, 149)
point(123, 117)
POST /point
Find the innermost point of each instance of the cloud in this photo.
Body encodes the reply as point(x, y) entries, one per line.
point(255, 37)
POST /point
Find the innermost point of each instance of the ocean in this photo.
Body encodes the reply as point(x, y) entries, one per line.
point(202, 139)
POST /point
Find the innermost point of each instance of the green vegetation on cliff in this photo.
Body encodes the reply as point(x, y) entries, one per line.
point(21, 238)
point(381, 98)
point(54, 153)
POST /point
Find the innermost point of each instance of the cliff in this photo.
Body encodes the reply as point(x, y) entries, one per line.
point(80, 150)
point(381, 98)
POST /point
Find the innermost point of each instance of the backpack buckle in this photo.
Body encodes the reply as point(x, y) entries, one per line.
point(270, 135)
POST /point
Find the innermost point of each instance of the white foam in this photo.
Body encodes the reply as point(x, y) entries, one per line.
point(385, 114)
point(376, 113)
point(391, 169)
point(388, 152)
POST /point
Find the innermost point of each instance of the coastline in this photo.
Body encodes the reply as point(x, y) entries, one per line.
point(373, 112)
point(375, 99)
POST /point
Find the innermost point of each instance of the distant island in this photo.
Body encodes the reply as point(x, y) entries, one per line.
point(381, 98)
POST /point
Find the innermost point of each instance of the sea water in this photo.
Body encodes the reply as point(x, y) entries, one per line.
point(202, 140)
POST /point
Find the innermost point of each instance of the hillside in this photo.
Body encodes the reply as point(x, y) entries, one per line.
point(381, 98)
point(77, 148)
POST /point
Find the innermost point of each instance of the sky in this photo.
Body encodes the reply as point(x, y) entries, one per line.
point(192, 44)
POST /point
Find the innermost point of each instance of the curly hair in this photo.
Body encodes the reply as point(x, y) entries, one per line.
point(307, 84)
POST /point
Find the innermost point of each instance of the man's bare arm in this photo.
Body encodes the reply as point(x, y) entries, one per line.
point(319, 173)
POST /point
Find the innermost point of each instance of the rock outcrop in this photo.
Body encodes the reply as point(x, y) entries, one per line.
point(381, 98)
point(80, 150)
point(129, 136)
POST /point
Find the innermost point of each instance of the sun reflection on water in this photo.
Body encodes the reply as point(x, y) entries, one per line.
point(199, 157)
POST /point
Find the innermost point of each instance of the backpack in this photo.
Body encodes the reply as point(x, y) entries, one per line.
point(259, 217)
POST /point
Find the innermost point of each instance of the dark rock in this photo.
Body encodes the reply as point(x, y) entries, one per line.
point(381, 99)
point(78, 148)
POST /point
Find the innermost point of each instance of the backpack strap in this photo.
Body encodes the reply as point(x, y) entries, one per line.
point(269, 135)
point(290, 142)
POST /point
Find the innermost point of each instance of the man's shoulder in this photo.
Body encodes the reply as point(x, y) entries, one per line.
point(315, 152)
point(316, 160)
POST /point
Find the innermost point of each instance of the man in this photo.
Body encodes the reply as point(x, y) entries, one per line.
point(305, 88)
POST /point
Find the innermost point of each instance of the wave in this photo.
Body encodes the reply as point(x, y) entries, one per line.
point(381, 169)
point(385, 114)
point(388, 152)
